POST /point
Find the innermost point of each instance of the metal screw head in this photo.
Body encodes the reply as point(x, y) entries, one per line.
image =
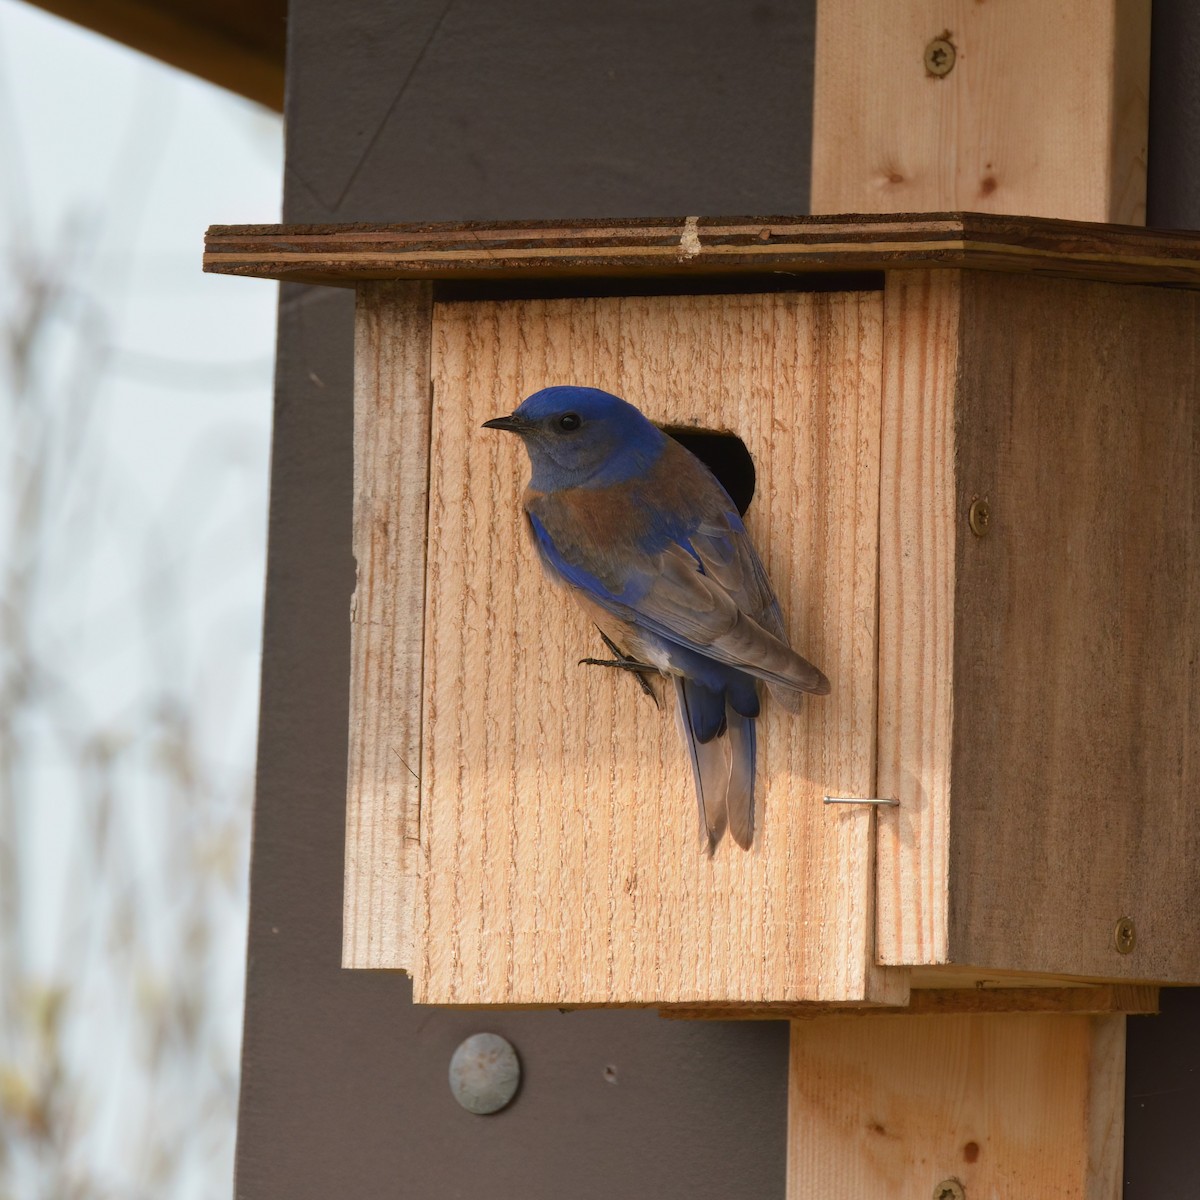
point(940, 55)
point(949, 1189)
point(484, 1073)
point(1124, 935)
point(979, 517)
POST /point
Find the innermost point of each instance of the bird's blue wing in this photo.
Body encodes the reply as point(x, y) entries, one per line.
point(704, 590)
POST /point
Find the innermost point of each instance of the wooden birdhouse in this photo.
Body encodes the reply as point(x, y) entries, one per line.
point(976, 460)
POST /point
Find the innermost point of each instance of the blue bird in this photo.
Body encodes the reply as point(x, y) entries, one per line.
point(651, 546)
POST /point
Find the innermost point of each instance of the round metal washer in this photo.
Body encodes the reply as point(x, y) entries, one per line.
point(485, 1073)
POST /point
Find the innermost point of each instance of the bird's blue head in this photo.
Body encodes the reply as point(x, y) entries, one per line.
point(582, 437)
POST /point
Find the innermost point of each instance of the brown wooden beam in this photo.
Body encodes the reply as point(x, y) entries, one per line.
point(236, 45)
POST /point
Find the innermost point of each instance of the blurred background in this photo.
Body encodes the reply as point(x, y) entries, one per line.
point(134, 438)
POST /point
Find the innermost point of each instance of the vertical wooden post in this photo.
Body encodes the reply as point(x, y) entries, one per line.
point(942, 105)
point(1043, 111)
point(998, 1105)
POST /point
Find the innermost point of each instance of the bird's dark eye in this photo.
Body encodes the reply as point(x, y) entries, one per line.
point(569, 422)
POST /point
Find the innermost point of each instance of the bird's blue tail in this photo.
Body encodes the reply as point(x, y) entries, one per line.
point(722, 749)
point(743, 759)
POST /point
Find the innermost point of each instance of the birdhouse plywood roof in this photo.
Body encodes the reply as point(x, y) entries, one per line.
point(696, 246)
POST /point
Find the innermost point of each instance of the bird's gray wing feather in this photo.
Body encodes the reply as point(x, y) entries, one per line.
point(686, 604)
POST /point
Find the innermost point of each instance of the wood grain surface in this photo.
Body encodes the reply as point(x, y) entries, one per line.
point(391, 468)
point(700, 246)
point(1039, 800)
point(937, 1002)
point(1044, 112)
point(918, 526)
point(561, 855)
point(1077, 618)
point(1006, 1105)
point(1038, 684)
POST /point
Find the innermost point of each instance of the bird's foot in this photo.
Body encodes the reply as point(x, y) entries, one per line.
point(622, 662)
point(637, 669)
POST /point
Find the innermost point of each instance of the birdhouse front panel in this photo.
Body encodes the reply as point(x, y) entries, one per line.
point(561, 858)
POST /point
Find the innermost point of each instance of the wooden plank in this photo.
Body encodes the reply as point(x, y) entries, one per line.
point(691, 246)
point(918, 524)
point(952, 975)
point(1007, 1105)
point(391, 468)
point(1045, 111)
point(1105, 1115)
point(562, 862)
point(940, 1002)
point(1077, 652)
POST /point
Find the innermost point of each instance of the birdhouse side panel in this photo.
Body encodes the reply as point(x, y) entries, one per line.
point(391, 473)
point(1077, 648)
point(561, 856)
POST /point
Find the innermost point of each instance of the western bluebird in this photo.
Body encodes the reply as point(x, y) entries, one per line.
point(651, 546)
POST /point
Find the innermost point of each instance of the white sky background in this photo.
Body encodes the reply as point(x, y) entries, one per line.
point(153, 555)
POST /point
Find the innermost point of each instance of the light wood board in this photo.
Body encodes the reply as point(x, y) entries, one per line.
point(391, 468)
point(918, 526)
point(1045, 111)
point(1006, 1105)
point(561, 858)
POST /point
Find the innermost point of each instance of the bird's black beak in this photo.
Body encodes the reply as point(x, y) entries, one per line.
point(513, 424)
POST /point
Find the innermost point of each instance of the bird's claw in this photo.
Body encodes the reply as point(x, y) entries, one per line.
point(623, 662)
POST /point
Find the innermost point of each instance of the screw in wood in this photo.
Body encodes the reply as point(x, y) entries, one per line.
point(940, 55)
point(1125, 935)
point(979, 517)
point(949, 1189)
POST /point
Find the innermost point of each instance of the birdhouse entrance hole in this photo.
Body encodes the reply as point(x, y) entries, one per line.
point(725, 455)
